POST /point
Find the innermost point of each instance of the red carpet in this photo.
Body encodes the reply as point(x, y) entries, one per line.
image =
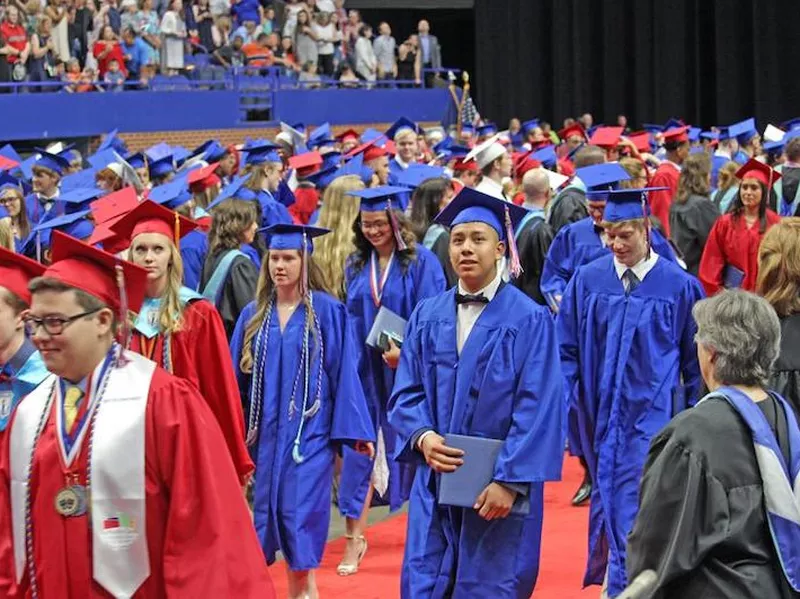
point(560, 574)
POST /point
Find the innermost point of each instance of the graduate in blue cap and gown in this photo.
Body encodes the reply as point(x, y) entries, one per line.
point(12, 198)
point(749, 140)
point(47, 172)
point(176, 328)
point(387, 270)
point(296, 360)
point(75, 221)
point(630, 364)
point(480, 360)
point(266, 176)
point(403, 133)
point(21, 366)
point(727, 148)
point(581, 242)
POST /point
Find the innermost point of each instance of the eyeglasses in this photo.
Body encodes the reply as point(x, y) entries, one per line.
point(53, 325)
point(378, 225)
point(9, 199)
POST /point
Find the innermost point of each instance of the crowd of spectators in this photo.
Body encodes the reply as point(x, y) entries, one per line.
point(111, 45)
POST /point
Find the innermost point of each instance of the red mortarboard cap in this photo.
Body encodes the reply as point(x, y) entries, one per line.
point(641, 140)
point(606, 137)
point(202, 178)
point(149, 217)
point(574, 129)
point(16, 271)
point(390, 148)
point(349, 134)
point(460, 165)
point(7, 164)
point(94, 271)
point(753, 169)
point(114, 205)
point(677, 134)
point(524, 163)
point(306, 164)
point(370, 149)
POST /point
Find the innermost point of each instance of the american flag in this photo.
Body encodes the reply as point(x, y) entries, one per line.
point(469, 112)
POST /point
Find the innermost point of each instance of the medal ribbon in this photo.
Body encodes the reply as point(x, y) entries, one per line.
point(376, 287)
point(70, 443)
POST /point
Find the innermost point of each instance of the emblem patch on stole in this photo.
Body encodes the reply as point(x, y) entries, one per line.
point(6, 399)
point(119, 531)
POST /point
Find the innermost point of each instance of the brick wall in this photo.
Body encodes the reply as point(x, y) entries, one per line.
point(191, 139)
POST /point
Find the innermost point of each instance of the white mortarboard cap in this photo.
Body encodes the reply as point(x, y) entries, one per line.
point(486, 152)
point(556, 179)
point(772, 133)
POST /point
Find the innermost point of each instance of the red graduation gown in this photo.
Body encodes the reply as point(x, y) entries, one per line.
point(731, 241)
point(200, 355)
point(200, 534)
point(667, 175)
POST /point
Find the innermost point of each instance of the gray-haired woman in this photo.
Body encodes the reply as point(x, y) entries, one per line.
point(719, 478)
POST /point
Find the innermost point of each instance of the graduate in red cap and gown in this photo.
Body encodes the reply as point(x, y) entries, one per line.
point(178, 329)
point(730, 258)
point(120, 485)
point(677, 145)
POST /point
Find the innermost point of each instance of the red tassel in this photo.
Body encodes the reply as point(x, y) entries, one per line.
point(398, 237)
point(514, 266)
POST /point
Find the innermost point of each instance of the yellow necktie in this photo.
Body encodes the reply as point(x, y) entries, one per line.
point(71, 400)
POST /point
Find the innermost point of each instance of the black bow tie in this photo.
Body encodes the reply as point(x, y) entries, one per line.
point(468, 298)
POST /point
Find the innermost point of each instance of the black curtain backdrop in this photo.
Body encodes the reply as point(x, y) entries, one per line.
point(708, 61)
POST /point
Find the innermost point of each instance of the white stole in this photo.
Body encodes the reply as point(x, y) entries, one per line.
point(117, 494)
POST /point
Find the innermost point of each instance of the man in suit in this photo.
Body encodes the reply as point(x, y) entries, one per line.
point(431, 51)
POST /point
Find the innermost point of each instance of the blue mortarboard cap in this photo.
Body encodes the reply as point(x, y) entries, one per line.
point(547, 156)
point(786, 126)
point(84, 179)
point(323, 132)
point(673, 123)
point(399, 125)
point(694, 133)
point(601, 177)
point(744, 131)
point(291, 237)
point(180, 154)
point(443, 145)
point(234, 189)
point(791, 134)
point(9, 181)
point(158, 151)
point(355, 167)
point(138, 160)
point(76, 198)
point(471, 206)
point(103, 158)
point(75, 224)
point(112, 142)
point(258, 145)
point(300, 126)
point(725, 133)
point(529, 126)
point(416, 174)
point(627, 204)
point(323, 177)
point(459, 151)
point(169, 192)
point(26, 166)
point(70, 153)
point(210, 151)
point(370, 134)
point(487, 130)
point(162, 166)
point(774, 146)
point(467, 128)
point(332, 159)
point(54, 162)
point(262, 156)
point(696, 150)
point(9, 152)
point(317, 144)
point(709, 135)
point(652, 128)
point(377, 199)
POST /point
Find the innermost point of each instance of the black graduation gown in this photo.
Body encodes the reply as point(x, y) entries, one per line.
point(238, 290)
point(785, 377)
point(532, 243)
point(568, 207)
point(702, 523)
point(690, 224)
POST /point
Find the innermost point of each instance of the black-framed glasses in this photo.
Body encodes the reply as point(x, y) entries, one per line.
point(53, 325)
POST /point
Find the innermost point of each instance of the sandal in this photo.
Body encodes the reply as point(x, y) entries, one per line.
point(349, 569)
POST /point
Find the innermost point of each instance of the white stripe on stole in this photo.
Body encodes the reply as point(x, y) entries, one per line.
point(778, 494)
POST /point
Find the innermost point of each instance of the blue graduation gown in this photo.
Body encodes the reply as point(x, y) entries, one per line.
point(272, 211)
point(194, 247)
point(401, 293)
point(506, 384)
point(293, 501)
point(717, 162)
point(36, 212)
point(630, 363)
point(578, 244)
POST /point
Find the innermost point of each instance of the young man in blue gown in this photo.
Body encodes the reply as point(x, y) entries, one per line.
point(479, 360)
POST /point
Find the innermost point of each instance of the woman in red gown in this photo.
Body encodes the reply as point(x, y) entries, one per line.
point(177, 328)
point(730, 258)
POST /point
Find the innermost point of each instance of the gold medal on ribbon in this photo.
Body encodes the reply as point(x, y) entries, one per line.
point(71, 501)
